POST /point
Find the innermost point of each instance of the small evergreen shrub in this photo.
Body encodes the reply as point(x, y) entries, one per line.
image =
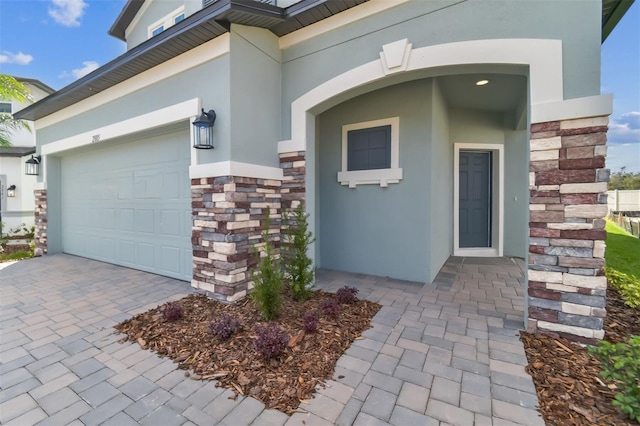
point(171, 311)
point(346, 295)
point(627, 285)
point(331, 308)
point(270, 341)
point(298, 266)
point(225, 326)
point(267, 278)
point(310, 322)
point(621, 364)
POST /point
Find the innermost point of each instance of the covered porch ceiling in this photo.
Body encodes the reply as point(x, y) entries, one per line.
point(502, 93)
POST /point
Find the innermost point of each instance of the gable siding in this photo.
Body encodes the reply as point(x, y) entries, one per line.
point(156, 10)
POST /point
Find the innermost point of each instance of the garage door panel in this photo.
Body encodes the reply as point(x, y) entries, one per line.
point(125, 219)
point(171, 185)
point(146, 254)
point(167, 222)
point(107, 218)
point(171, 259)
point(125, 186)
point(126, 252)
point(144, 220)
point(130, 204)
point(149, 185)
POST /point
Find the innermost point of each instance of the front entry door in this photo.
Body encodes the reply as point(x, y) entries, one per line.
point(475, 199)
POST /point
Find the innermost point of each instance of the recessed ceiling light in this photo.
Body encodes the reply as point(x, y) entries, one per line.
point(482, 82)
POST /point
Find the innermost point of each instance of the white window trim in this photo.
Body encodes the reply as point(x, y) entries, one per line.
point(382, 177)
point(10, 108)
point(166, 22)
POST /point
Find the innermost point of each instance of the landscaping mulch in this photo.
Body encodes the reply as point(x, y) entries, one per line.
point(281, 383)
point(567, 377)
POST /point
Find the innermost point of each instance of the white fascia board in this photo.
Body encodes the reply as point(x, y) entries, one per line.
point(194, 57)
point(235, 168)
point(591, 106)
point(161, 117)
point(136, 18)
point(334, 22)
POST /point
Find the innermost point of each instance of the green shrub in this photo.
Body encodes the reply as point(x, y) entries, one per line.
point(627, 285)
point(267, 277)
point(16, 255)
point(621, 364)
point(298, 266)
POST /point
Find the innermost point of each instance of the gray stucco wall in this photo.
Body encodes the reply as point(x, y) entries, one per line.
point(516, 194)
point(155, 11)
point(441, 183)
point(255, 82)
point(373, 230)
point(473, 126)
point(426, 23)
point(214, 95)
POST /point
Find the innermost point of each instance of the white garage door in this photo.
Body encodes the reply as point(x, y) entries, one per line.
point(130, 204)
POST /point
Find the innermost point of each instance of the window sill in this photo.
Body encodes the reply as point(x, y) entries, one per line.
point(382, 177)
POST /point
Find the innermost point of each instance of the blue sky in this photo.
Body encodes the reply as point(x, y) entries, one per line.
point(58, 41)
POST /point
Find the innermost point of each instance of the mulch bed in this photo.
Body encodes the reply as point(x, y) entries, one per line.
point(280, 383)
point(567, 377)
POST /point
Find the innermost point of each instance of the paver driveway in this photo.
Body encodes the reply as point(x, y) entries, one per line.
point(443, 353)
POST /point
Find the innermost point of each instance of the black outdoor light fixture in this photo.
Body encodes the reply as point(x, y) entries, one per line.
point(11, 191)
point(203, 138)
point(32, 166)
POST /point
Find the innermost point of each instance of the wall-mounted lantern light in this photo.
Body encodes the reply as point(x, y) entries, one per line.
point(11, 191)
point(32, 166)
point(203, 137)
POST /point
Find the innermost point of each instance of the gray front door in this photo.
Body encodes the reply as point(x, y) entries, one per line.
point(475, 199)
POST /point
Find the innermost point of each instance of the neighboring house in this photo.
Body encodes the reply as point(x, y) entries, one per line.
point(17, 205)
point(412, 130)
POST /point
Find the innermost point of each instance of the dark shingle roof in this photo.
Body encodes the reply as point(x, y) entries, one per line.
point(202, 26)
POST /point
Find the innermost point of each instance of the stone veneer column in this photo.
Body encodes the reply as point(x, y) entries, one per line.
point(568, 184)
point(293, 185)
point(228, 216)
point(40, 214)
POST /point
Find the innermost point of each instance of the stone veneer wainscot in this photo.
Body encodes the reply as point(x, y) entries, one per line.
point(40, 214)
point(229, 214)
point(568, 184)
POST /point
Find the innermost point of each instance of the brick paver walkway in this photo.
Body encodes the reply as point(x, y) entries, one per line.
point(442, 353)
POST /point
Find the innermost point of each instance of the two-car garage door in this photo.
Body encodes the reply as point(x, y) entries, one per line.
point(130, 204)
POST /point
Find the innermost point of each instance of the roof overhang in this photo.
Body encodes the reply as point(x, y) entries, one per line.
point(36, 83)
point(17, 151)
point(204, 25)
point(207, 24)
point(125, 17)
point(612, 12)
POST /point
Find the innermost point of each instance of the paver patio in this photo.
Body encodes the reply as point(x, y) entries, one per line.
point(441, 353)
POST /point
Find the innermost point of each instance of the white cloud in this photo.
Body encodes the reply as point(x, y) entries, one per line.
point(87, 67)
point(625, 130)
point(67, 12)
point(15, 58)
